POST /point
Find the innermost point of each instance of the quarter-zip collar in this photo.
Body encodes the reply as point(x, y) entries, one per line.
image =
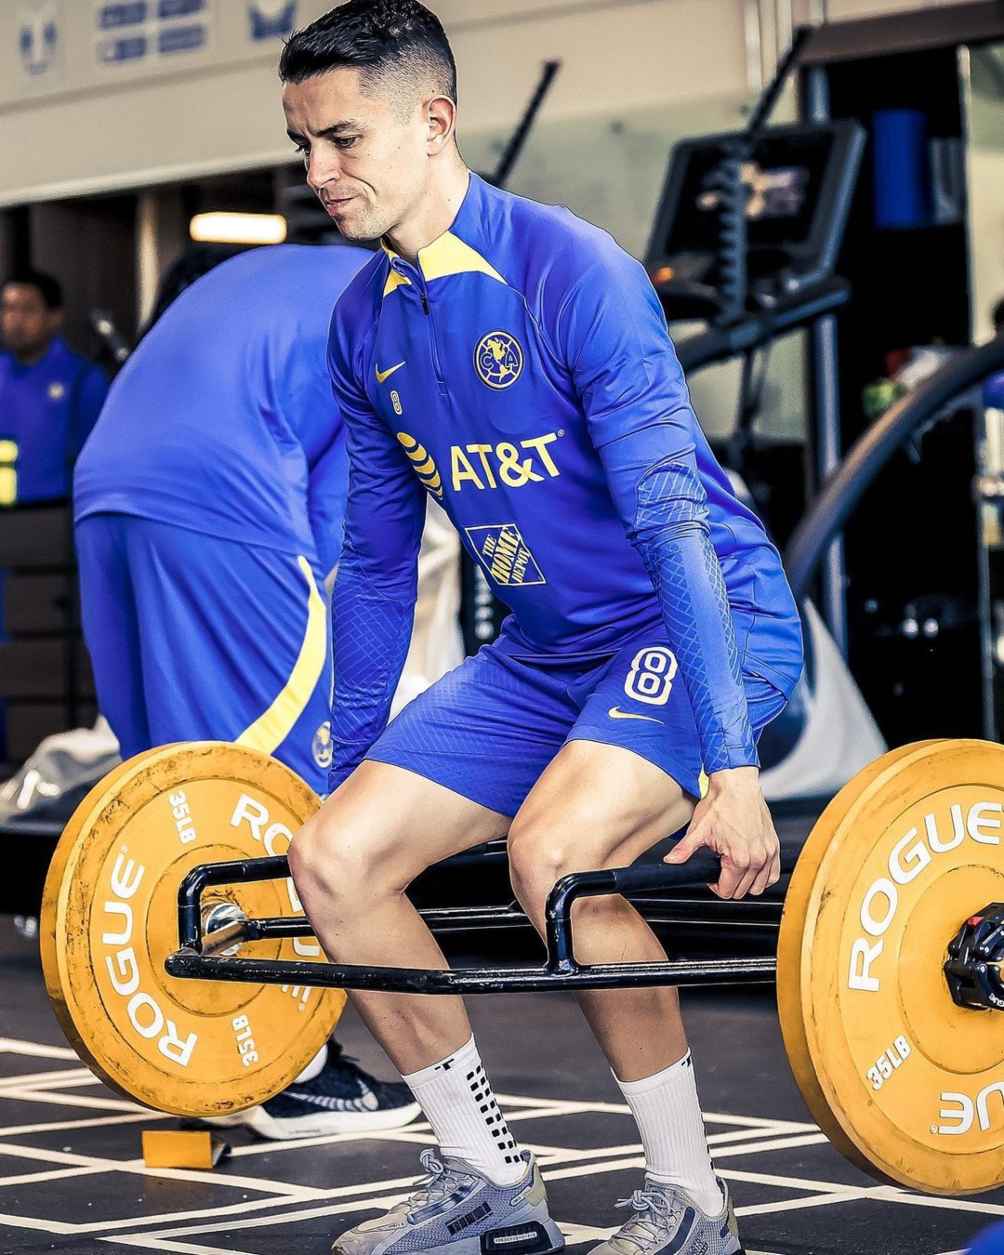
point(452, 253)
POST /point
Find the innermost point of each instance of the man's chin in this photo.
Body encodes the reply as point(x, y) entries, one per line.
point(358, 232)
point(352, 226)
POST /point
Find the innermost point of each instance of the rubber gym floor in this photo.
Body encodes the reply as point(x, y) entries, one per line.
point(72, 1178)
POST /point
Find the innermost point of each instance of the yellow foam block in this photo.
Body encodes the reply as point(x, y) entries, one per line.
point(169, 1148)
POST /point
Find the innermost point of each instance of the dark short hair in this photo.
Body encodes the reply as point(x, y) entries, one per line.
point(377, 37)
point(998, 315)
point(50, 288)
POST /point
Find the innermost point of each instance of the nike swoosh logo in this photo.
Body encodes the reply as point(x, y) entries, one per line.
point(614, 713)
point(367, 1100)
point(384, 375)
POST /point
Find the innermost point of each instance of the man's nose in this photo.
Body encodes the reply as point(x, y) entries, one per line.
point(322, 168)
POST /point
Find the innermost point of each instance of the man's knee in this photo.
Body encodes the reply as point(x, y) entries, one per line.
point(332, 858)
point(539, 855)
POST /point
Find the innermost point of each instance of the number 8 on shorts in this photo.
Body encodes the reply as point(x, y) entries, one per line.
point(650, 677)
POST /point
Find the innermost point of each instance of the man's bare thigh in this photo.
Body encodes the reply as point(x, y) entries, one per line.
point(385, 813)
point(606, 804)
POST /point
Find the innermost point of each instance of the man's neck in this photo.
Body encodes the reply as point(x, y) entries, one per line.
point(31, 357)
point(436, 214)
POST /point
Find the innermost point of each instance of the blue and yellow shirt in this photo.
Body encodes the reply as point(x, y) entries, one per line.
point(223, 420)
point(522, 375)
point(47, 410)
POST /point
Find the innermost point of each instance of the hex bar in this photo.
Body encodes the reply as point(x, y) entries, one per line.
point(486, 980)
point(561, 971)
point(764, 917)
point(701, 868)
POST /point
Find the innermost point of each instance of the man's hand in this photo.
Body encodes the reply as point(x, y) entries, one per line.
point(733, 820)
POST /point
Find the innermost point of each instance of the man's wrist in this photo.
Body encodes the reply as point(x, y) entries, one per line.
point(733, 777)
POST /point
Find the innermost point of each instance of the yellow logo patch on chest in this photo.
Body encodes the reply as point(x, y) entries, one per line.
point(505, 555)
point(498, 359)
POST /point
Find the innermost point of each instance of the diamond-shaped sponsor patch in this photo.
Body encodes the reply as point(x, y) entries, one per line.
point(505, 555)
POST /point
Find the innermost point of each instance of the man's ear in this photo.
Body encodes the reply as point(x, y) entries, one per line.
point(441, 118)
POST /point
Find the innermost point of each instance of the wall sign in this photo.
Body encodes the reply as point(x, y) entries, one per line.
point(128, 31)
point(39, 39)
point(270, 19)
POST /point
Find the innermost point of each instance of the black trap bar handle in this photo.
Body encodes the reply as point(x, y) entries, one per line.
point(703, 867)
point(200, 958)
point(238, 871)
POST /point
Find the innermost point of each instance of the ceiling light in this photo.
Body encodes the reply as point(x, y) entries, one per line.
point(226, 228)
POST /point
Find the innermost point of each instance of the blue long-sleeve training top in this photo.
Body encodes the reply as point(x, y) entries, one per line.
point(522, 374)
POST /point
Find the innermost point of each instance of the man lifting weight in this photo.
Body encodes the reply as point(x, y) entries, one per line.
point(511, 361)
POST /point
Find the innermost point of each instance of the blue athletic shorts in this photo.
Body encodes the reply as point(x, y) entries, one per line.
point(194, 638)
point(488, 729)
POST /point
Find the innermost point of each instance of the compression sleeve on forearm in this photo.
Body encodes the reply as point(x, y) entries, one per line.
point(610, 329)
point(670, 532)
point(371, 632)
point(373, 600)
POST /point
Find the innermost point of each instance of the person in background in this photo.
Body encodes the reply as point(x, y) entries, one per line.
point(208, 509)
point(993, 388)
point(50, 396)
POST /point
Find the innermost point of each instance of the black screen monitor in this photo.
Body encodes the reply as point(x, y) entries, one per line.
point(798, 182)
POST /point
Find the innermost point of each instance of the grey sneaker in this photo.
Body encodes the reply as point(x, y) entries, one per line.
point(457, 1211)
point(668, 1221)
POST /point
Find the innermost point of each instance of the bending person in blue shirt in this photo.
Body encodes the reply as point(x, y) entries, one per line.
point(993, 388)
point(208, 507)
point(50, 397)
point(512, 362)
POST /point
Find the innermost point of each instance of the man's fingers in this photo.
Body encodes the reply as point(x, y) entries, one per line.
point(769, 869)
point(734, 872)
point(746, 883)
point(765, 877)
point(690, 844)
point(756, 873)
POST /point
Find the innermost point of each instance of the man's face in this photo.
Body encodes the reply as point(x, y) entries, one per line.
point(26, 322)
point(366, 160)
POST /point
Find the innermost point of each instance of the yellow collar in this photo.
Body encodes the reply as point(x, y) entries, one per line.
point(445, 256)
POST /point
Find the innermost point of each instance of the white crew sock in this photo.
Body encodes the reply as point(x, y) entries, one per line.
point(458, 1102)
point(669, 1119)
point(314, 1068)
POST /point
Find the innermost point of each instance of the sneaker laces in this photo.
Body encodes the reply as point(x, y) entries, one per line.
point(438, 1182)
point(655, 1211)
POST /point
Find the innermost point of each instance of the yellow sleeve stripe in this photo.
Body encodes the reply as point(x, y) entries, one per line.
point(269, 730)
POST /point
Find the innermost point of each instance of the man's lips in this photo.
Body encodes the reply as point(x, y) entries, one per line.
point(333, 203)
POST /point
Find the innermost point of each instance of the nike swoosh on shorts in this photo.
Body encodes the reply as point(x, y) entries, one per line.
point(383, 375)
point(615, 713)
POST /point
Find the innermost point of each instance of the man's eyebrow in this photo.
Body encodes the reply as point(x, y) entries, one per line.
point(329, 132)
point(338, 128)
